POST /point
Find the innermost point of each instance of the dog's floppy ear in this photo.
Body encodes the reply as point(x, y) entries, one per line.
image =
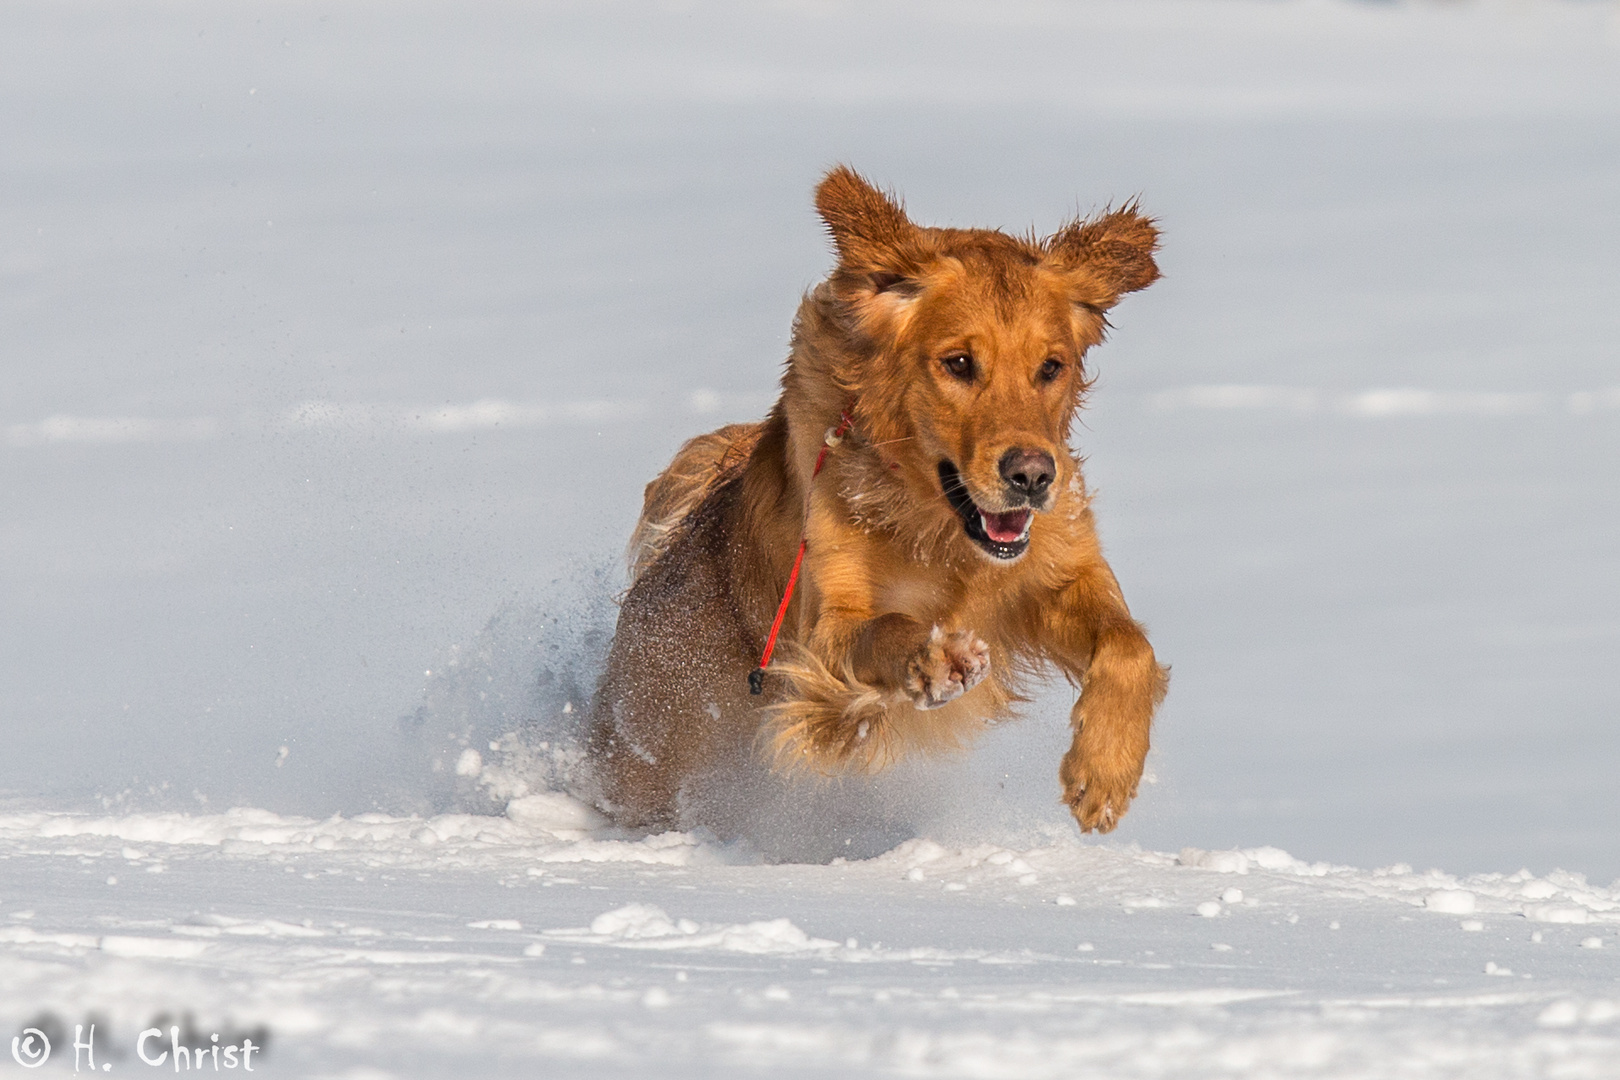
point(877, 245)
point(1108, 256)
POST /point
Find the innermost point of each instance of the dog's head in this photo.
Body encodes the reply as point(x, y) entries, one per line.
point(971, 347)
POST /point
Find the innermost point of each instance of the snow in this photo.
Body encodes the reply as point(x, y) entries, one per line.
point(340, 341)
point(347, 947)
point(642, 926)
point(1450, 901)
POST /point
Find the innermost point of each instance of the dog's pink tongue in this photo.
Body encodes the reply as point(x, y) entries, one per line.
point(1005, 528)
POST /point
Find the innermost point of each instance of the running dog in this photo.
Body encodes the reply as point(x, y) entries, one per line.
point(908, 529)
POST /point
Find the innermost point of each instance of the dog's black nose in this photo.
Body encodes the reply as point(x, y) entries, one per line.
point(1028, 471)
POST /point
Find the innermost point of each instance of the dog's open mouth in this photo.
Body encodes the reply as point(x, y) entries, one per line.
point(1002, 535)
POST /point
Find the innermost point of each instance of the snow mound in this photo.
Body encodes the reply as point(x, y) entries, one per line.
point(1557, 913)
point(543, 828)
point(1450, 901)
point(151, 948)
point(1568, 1013)
point(558, 814)
point(1239, 862)
point(1560, 897)
point(214, 925)
point(644, 926)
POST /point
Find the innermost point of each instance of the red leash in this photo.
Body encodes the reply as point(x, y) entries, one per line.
point(756, 678)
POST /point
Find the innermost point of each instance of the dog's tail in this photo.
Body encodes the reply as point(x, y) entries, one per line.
point(699, 468)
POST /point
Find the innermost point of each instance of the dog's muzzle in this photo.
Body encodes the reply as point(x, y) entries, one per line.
point(1001, 535)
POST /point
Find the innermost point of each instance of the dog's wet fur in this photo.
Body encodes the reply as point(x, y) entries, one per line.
point(951, 552)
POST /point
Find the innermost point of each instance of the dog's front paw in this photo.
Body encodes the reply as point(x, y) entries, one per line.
point(947, 667)
point(1097, 794)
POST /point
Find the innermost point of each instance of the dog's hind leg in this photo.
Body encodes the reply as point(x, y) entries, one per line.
point(668, 717)
point(673, 703)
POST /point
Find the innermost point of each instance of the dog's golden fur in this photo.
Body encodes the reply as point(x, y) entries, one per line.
point(959, 355)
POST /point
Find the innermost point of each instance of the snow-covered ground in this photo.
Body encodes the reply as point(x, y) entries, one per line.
point(338, 342)
point(466, 945)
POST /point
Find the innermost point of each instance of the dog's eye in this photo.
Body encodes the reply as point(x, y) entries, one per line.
point(1051, 369)
point(960, 365)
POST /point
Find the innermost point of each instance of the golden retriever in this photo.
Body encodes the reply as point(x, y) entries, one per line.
point(949, 551)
